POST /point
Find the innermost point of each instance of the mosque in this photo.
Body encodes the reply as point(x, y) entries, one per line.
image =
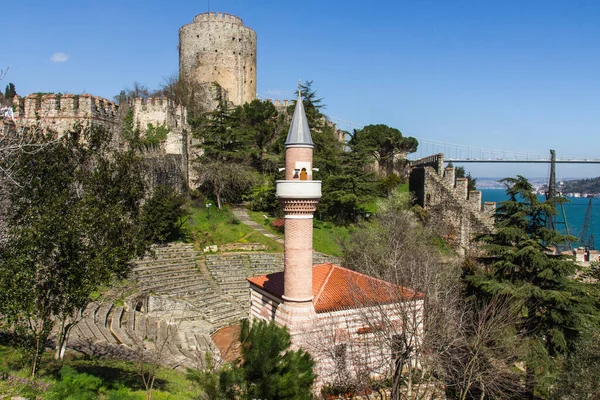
point(345, 319)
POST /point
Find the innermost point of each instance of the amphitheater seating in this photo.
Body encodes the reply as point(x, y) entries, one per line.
point(214, 291)
point(230, 270)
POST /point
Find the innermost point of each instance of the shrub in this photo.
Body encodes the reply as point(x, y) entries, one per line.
point(279, 224)
point(164, 214)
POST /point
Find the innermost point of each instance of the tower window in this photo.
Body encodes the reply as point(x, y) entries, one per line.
point(197, 36)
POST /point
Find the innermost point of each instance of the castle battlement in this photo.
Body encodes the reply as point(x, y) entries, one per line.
point(59, 112)
point(456, 213)
point(280, 103)
point(69, 106)
point(218, 17)
point(154, 101)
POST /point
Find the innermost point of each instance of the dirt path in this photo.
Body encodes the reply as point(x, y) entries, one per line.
point(242, 214)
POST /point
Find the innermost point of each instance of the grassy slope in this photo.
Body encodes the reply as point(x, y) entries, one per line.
point(214, 227)
point(116, 375)
point(327, 237)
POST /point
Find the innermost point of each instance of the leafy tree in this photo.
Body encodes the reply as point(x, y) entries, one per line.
point(579, 376)
point(459, 172)
point(73, 226)
point(220, 136)
point(263, 125)
point(224, 180)
point(163, 214)
point(267, 368)
point(347, 189)
point(520, 266)
point(384, 143)
point(9, 93)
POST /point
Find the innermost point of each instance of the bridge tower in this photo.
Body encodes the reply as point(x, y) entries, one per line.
point(551, 219)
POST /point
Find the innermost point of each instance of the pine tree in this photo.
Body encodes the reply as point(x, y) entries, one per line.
point(520, 265)
point(266, 369)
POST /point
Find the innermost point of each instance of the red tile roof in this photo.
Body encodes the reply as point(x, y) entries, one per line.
point(338, 288)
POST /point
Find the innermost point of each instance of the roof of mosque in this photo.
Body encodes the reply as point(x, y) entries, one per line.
point(337, 288)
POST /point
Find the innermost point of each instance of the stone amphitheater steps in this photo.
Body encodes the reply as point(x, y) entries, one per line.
point(215, 287)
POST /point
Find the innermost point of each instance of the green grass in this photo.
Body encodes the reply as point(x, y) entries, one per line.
point(327, 237)
point(119, 379)
point(211, 226)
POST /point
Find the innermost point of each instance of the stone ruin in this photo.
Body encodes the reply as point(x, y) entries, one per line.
point(455, 213)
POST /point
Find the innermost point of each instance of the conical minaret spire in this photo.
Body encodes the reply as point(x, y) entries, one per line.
point(299, 195)
point(299, 133)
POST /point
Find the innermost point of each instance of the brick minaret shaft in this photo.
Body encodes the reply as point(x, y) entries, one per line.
point(298, 239)
point(299, 195)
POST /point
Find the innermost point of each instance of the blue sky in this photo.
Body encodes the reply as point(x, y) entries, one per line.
point(514, 75)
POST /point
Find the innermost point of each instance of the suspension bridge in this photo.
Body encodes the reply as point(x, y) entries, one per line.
point(459, 154)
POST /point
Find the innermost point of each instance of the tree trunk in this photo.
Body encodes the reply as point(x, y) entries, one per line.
point(61, 341)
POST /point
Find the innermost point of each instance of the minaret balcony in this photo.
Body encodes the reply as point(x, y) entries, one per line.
point(298, 189)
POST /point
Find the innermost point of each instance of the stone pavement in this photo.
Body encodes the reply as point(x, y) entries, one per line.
point(241, 213)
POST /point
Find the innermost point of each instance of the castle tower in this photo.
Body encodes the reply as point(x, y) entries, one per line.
point(217, 47)
point(299, 195)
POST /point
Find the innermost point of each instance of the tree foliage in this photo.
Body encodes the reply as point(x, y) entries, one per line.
point(73, 226)
point(266, 369)
point(521, 265)
point(383, 143)
point(250, 138)
point(163, 214)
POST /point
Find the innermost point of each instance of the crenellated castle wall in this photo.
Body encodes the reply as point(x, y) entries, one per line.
point(160, 111)
point(455, 213)
point(59, 112)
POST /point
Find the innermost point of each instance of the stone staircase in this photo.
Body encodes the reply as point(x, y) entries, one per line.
point(230, 270)
point(181, 300)
point(109, 330)
point(177, 272)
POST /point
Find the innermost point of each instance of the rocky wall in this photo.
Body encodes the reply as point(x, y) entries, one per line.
point(455, 213)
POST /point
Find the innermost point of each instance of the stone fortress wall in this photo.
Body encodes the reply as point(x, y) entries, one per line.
point(217, 47)
point(455, 213)
point(59, 112)
point(160, 111)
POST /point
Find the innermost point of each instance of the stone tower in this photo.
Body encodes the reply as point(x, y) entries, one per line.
point(299, 195)
point(217, 47)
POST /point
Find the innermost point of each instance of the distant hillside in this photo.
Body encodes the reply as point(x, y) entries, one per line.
point(590, 185)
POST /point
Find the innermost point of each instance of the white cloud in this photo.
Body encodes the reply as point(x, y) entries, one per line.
point(59, 57)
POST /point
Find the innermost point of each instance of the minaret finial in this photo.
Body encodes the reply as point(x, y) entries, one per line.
point(299, 87)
